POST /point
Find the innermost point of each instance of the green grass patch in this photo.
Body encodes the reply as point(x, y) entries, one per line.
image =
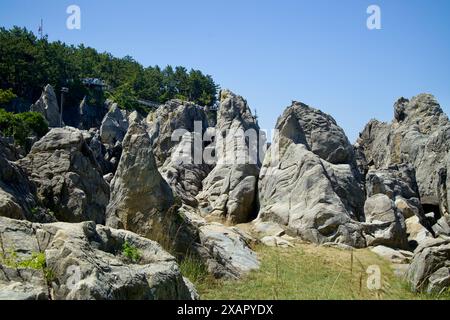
point(194, 270)
point(309, 272)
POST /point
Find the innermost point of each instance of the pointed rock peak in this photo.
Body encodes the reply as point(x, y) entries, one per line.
point(49, 90)
point(317, 130)
point(423, 107)
point(47, 105)
point(232, 107)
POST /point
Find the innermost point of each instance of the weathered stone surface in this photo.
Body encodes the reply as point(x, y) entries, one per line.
point(175, 155)
point(384, 224)
point(47, 105)
point(68, 179)
point(394, 256)
point(142, 201)
point(266, 228)
point(318, 132)
point(275, 241)
point(229, 191)
point(17, 193)
point(419, 135)
point(316, 199)
point(229, 254)
point(416, 232)
point(87, 261)
point(430, 268)
point(114, 126)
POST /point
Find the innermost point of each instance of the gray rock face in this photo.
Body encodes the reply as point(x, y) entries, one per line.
point(85, 262)
point(68, 179)
point(47, 105)
point(316, 199)
point(398, 183)
point(229, 191)
point(384, 224)
point(318, 132)
point(175, 157)
point(228, 254)
point(17, 193)
point(114, 126)
point(430, 268)
point(419, 135)
point(142, 201)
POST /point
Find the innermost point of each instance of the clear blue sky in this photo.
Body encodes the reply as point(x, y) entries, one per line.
point(272, 52)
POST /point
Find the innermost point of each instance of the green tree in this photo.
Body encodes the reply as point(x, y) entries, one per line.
point(6, 96)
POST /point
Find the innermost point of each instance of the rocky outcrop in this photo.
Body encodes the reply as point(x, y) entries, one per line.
point(114, 125)
point(17, 193)
point(384, 224)
point(84, 261)
point(229, 191)
point(227, 252)
point(47, 105)
point(176, 129)
point(142, 201)
point(419, 135)
point(68, 179)
point(319, 199)
point(430, 268)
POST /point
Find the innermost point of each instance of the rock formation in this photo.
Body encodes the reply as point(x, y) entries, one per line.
point(47, 105)
point(68, 179)
point(430, 267)
point(419, 135)
point(229, 191)
point(114, 126)
point(141, 200)
point(308, 181)
point(175, 154)
point(17, 193)
point(85, 261)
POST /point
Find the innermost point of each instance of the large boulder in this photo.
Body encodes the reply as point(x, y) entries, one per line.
point(176, 130)
point(62, 261)
point(430, 268)
point(17, 193)
point(300, 188)
point(141, 200)
point(229, 191)
point(384, 224)
point(68, 179)
point(419, 135)
point(47, 105)
point(114, 125)
point(228, 254)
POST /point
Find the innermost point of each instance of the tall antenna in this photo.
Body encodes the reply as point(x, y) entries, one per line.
point(41, 29)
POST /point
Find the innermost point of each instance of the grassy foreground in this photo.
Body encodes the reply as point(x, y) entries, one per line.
point(306, 272)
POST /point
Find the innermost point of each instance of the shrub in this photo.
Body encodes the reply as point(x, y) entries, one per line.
point(22, 125)
point(131, 252)
point(34, 121)
point(6, 96)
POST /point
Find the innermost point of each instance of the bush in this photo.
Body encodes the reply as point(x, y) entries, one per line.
point(6, 96)
point(22, 125)
point(35, 122)
point(131, 252)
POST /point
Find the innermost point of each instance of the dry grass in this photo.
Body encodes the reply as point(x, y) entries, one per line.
point(310, 272)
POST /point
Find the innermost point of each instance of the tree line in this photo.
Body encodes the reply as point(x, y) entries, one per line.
point(28, 63)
